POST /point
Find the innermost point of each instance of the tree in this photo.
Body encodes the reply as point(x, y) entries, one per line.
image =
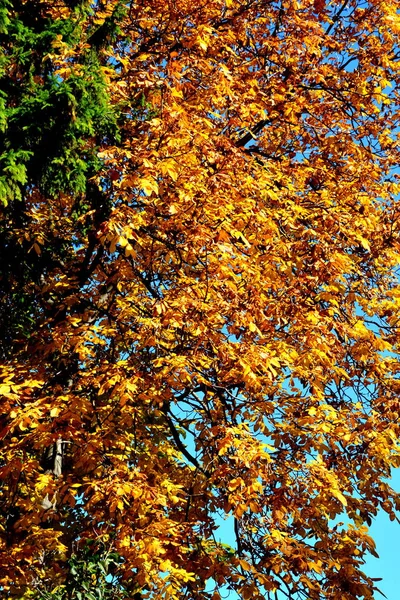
point(199, 296)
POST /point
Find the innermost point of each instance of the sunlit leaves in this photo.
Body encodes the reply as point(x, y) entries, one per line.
point(200, 294)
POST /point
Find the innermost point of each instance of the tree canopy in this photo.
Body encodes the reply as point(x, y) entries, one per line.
point(199, 296)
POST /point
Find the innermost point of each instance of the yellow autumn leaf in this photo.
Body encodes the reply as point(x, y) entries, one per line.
point(339, 496)
point(149, 186)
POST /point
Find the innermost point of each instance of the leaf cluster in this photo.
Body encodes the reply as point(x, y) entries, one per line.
point(199, 297)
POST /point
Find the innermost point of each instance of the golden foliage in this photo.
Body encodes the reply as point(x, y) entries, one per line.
point(223, 342)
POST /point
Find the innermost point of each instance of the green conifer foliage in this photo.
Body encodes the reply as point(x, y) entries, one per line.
point(51, 122)
point(55, 112)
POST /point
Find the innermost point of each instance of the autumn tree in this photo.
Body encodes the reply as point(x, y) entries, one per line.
point(198, 296)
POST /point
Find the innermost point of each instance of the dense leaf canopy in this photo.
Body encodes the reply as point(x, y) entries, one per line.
point(199, 299)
